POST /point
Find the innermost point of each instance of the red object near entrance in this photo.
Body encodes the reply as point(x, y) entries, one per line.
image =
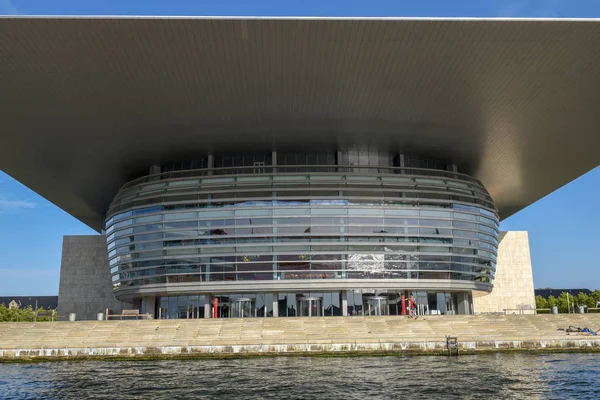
point(215, 307)
point(403, 305)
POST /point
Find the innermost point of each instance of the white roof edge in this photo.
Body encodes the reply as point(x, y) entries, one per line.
point(308, 18)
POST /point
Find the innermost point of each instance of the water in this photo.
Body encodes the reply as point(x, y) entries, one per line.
point(499, 376)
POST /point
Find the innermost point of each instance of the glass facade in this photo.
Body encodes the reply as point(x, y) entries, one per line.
point(306, 304)
point(304, 223)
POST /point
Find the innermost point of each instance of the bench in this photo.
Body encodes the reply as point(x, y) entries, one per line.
point(133, 314)
point(51, 314)
point(521, 311)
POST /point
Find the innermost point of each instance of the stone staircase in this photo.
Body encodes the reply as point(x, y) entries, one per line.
point(288, 331)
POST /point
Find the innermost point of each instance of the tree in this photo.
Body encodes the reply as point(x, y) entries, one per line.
point(595, 296)
point(541, 302)
point(20, 314)
point(583, 299)
point(564, 301)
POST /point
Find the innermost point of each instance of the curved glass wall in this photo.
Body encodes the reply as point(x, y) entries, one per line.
point(266, 223)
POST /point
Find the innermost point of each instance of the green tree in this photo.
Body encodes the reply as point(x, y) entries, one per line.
point(583, 299)
point(563, 302)
point(541, 302)
point(19, 314)
point(595, 296)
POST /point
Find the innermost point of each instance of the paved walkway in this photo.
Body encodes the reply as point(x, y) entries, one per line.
point(293, 334)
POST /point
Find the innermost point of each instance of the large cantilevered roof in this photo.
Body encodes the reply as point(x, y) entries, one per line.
point(89, 103)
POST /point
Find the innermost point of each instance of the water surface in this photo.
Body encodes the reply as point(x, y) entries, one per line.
point(499, 376)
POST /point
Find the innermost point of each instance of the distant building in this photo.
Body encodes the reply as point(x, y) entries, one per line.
point(46, 302)
point(545, 293)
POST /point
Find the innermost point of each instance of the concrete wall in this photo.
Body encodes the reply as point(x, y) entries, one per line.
point(85, 286)
point(513, 284)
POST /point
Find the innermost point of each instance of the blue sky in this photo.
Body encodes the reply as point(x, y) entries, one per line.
point(562, 226)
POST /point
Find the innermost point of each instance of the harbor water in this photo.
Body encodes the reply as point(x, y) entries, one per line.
point(500, 376)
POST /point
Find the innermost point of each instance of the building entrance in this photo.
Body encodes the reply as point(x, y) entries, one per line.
point(377, 305)
point(310, 306)
point(241, 307)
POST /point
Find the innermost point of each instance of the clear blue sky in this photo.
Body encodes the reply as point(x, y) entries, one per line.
point(562, 226)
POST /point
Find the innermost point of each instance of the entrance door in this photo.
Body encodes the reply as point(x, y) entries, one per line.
point(309, 307)
point(377, 305)
point(196, 307)
point(240, 307)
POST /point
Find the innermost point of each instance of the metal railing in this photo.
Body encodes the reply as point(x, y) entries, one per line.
point(278, 169)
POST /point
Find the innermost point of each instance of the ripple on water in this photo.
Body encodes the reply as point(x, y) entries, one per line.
point(481, 376)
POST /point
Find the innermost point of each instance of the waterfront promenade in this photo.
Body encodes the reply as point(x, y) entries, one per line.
point(324, 335)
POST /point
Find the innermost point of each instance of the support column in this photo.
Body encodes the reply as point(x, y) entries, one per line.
point(464, 303)
point(402, 165)
point(210, 163)
point(344, 303)
point(137, 304)
point(454, 168)
point(154, 169)
point(207, 306)
point(149, 305)
point(275, 305)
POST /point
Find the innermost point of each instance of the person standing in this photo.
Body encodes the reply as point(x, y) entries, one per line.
point(412, 306)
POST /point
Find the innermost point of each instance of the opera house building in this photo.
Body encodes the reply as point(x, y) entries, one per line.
point(297, 167)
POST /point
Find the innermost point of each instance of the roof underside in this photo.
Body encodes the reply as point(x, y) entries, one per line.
point(88, 103)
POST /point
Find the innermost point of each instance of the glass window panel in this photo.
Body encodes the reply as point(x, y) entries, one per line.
point(435, 222)
point(123, 223)
point(401, 213)
point(291, 178)
point(188, 215)
point(291, 211)
point(434, 249)
point(124, 232)
point(152, 186)
point(350, 178)
point(212, 181)
point(150, 218)
point(486, 254)
point(147, 228)
point(488, 229)
point(252, 213)
point(464, 225)
point(366, 211)
point(149, 236)
point(467, 234)
point(466, 216)
point(465, 208)
point(487, 220)
point(401, 221)
point(439, 214)
point(178, 225)
point(216, 214)
point(187, 182)
point(120, 216)
point(326, 177)
point(253, 178)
